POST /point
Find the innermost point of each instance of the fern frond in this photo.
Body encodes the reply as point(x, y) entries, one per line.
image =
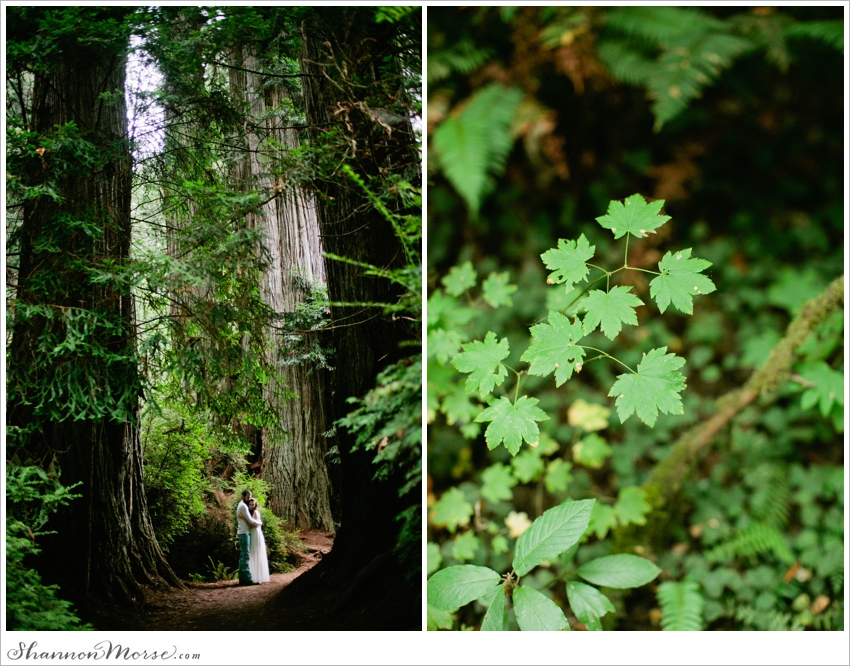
point(754, 540)
point(687, 68)
point(771, 500)
point(836, 582)
point(694, 48)
point(473, 145)
point(772, 620)
point(626, 64)
point(462, 58)
point(681, 605)
point(778, 621)
point(661, 25)
point(830, 32)
point(767, 32)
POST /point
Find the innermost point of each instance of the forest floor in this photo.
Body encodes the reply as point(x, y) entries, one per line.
point(220, 606)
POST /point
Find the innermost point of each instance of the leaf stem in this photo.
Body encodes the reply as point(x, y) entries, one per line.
point(642, 270)
point(518, 375)
point(608, 356)
point(584, 291)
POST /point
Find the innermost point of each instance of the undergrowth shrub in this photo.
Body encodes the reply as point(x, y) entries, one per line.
point(31, 495)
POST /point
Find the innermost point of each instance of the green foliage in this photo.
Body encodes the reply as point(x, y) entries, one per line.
point(654, 387)
point(483, 362)
point(177, 445)
point(656, 384)
point(752, 541)
point(675, 52)
point(588, 604)
point(610, 310)
point(585, 140)
point(473, 145)
point(634, 216)
point(567, 262)
point(554, 533)
point(830, 32)
point(452, 510)
point(680, 281)
point(551, 534)
point(31, 496)
point(512, 423)
point(463, 57)
point(220, 572)
point(681, 606)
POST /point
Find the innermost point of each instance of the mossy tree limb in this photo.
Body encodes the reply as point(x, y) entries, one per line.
point(665, 482)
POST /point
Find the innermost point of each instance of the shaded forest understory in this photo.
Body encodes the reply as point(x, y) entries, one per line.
point(286, 603)
point(213, 285)
point(636, 318)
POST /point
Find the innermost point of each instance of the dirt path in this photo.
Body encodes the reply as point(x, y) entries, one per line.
point(222, 606)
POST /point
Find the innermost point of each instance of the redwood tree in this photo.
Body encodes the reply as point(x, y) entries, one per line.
point(355, 103)
point(293, 455)
point(73, 382)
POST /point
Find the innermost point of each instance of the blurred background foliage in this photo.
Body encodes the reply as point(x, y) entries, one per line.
point(537, 117)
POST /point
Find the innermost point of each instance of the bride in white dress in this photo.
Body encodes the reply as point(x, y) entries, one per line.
point(258, 560)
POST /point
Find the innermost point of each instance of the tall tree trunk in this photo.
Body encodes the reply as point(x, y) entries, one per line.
point(293, 461)
point(105, 545)
point(343, 49)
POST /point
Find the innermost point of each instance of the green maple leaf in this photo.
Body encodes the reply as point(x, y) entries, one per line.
point(554, 348)
point(611, 310)
point(527, 465)
point(464, 546)
point(434, 559)
point(484, 361)
point(460, 278)
point(828, 387)
point(558, 476)
point(443, 344)
point(496, 483)
point(512, 423)
point(680, 281)
point(633, 216)
point(497, 289)
point(451, 510)
point(656, 386)
point(591, 451)
point(631, 507)
point(567, 261)
point(458, 408)
point(602, 519)
point(445, 310)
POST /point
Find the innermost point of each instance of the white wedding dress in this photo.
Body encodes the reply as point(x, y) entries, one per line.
point(258, 560)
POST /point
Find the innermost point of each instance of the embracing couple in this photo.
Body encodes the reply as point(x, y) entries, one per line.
point(253, 561)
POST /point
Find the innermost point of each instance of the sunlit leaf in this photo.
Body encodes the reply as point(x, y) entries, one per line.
point(453, 587)
point(512, 423)
point(633, 216)
point(483, 360)
point(620, 571)
point(680, 281)
point(567, 261)
point(551, 534)
point(610, 310)
point(536, 612)
point(656, 386)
